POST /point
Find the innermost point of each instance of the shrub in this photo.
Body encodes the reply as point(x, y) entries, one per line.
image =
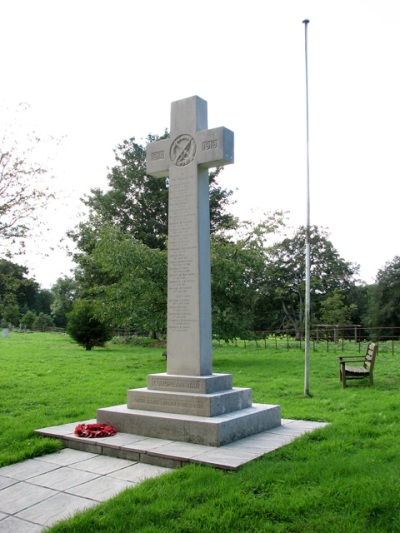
point(43, 321)
point(86, 325)
point(29, 319)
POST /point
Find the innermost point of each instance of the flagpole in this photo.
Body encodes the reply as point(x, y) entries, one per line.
point(307, 248)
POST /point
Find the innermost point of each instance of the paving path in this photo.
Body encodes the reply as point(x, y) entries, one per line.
point(37, 493)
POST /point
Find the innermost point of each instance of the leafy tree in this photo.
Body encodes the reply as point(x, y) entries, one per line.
point(359, 296)
point(135, 291)
point(16, 289)
point(385, 297)
point(64, 292)
point(134, 202)
point(43, 301)
point(136, 207)
point(138, 204)
point(239, 272)
point(87, 324)
point(10, 314)
point(334, 311)
point(286, 273)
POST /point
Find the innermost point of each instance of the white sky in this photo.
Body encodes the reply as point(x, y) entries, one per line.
point(97, 72)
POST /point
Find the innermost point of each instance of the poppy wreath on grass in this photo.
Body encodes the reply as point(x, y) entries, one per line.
point(91, 431)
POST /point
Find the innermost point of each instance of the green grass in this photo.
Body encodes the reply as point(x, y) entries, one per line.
point(345, 477)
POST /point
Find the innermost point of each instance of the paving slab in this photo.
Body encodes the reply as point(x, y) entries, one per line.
point(139, 472)
point(52, 510)
point(260, 447)
point(123, 440)
point(184, 450)
point(6, 482)
point(11, 524)
point(27, 469)
point(147, 443)
point(102, 464)
point(103, 490)
point(66, 457)
point(63, 478)
point(223, 458)
point(21, 496)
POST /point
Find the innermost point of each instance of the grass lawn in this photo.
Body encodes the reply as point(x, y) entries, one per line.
point(345, 477)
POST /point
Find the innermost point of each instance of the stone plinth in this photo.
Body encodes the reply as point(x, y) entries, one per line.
point(211, 431)
point(197, 409)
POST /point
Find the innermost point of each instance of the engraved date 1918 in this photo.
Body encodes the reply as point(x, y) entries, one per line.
point(210, 145)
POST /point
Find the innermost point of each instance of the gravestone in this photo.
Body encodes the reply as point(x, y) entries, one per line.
point(189, 402)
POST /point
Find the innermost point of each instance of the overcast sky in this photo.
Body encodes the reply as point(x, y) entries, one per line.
point(97, 72)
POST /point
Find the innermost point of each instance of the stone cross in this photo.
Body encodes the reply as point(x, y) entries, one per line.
point(185, 157)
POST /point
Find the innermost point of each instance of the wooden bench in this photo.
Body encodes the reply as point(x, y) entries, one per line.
point(362, 371)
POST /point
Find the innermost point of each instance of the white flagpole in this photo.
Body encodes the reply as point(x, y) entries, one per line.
point(307, 250)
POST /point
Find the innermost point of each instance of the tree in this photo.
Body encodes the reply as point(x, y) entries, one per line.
point(240, 294)
point(10, 314)
point(135, 291)
point(135, 206)
point(334, 311)
point(286, 274)
point(135, 203)
point(134, 278)
point(16, 288)
point(385, 298)
point(43, 301)
point(359, 296)
point(23, 193)
point(138, 204)
point(87, 324)
point(64, 292)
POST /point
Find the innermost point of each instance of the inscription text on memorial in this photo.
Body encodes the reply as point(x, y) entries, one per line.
point(185, 157)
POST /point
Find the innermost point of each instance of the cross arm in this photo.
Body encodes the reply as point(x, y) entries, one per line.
point(215, 147)
point(157, 157)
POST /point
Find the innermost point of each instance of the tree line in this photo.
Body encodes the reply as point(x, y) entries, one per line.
point(258, 281)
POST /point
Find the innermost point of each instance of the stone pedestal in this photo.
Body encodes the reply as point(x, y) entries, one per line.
point(198, 409)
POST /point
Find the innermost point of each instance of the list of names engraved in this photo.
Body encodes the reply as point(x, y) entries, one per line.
point(182, 255)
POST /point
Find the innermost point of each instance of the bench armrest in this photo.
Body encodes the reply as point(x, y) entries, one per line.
point(352, 357)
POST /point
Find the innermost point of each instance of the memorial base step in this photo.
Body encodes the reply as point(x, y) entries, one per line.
point(212, 431)
point(190, 404)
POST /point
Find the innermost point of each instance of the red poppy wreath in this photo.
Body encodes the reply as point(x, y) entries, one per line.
point(91, 431)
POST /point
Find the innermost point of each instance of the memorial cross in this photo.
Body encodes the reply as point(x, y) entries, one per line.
point(186, 157)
